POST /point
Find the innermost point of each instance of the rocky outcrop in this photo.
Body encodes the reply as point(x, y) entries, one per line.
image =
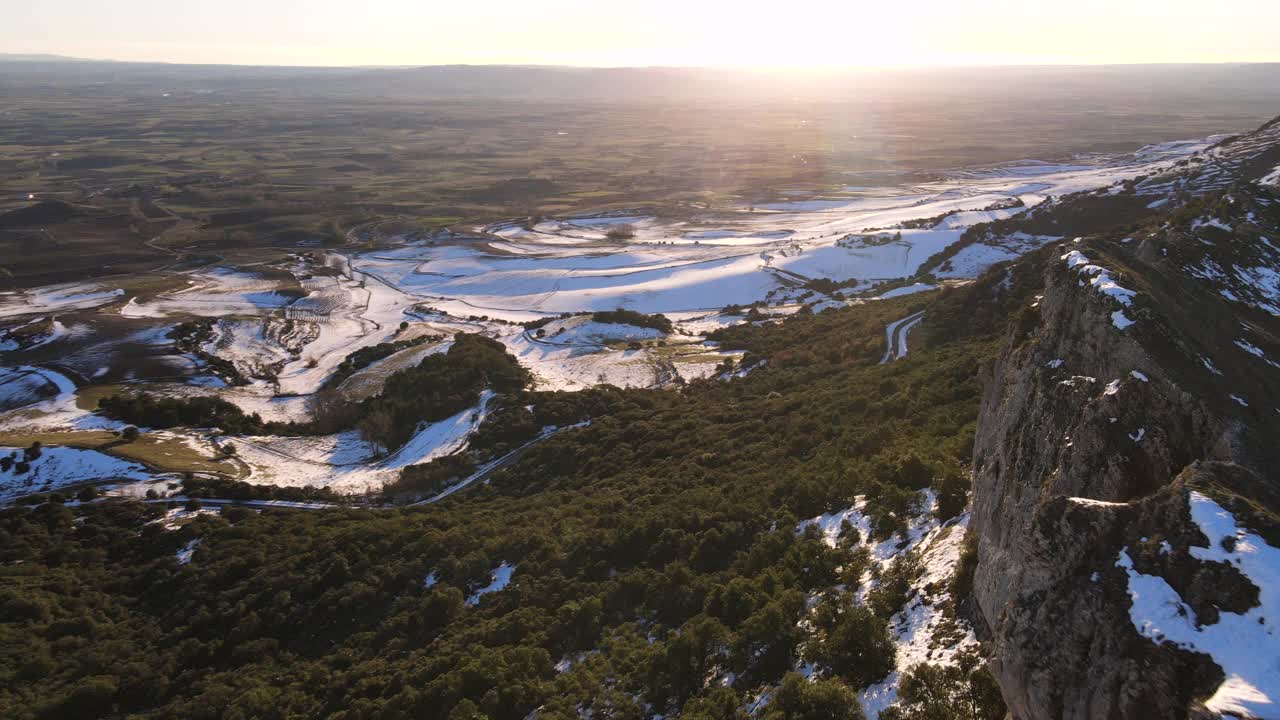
point(1090, 435)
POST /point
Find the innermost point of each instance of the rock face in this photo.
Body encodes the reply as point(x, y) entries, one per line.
point(1091, 434)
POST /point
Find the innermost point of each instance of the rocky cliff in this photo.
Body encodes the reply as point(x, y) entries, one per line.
point(1126, 466)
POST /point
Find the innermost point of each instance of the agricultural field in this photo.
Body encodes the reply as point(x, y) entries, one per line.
point(305, 344)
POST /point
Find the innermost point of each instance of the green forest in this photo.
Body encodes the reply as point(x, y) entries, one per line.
point(655, 554)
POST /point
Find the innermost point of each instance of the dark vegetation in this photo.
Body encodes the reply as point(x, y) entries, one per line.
point(190, 337)
point(167, 412)
point(438, 387)
point(432, 477)
point(655, 549)
point(631, 317)
point(207, 486)
point(366, 356)
point(965, 691)
point(620, 316)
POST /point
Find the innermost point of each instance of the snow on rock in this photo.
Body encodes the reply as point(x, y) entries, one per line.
point(1120, 320)
point(1101, 279)
point(1245, 645)
point(498, 579)
point(60, 466)
point(1054, 364)
point(1208, 365)
point(1094, 503)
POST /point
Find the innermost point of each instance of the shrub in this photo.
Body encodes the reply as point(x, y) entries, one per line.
point(895, 585)
point(851, 641)
point(965, 691)
point(620, 232)
point(952, 489)
point(799, 699)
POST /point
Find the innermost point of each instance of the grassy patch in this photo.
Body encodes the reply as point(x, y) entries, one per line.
point(165, 453)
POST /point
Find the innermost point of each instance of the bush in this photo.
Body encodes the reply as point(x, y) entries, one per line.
point(129, 434)
point(965, 691)
point(851, 641)
point(962, 579)
point(895, 585)
point(799, 699)
point(952, 491)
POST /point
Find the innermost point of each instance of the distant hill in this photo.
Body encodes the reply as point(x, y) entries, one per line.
point(1258, 84)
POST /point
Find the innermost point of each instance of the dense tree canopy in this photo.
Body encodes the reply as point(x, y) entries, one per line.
point(654, 553)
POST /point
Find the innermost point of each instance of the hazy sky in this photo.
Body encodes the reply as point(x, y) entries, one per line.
point(647, 32)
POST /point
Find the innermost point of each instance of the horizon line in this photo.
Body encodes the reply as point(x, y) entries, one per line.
point(18, 57)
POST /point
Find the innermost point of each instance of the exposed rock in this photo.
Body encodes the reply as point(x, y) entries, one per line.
point(1091, 434)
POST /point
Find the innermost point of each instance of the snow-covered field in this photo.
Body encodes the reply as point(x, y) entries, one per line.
point(288, 326)
point(345, 463)
point(709, 261)
point(57, 298)
point(60, 466)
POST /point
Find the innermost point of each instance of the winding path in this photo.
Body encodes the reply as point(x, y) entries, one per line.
point(895, 334)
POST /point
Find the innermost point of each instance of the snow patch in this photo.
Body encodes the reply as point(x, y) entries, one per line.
point(1245, 645)
point(498, 579)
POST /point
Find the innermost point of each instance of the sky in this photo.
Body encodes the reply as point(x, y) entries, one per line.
point(741, 33)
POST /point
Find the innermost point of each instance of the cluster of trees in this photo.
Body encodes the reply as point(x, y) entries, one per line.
point(166, 412)
point(433, 477)
point(190, 337)
point(622, 316)
point(655, 555)
point(366, 356)
point(440, 386)
point(209, 486)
